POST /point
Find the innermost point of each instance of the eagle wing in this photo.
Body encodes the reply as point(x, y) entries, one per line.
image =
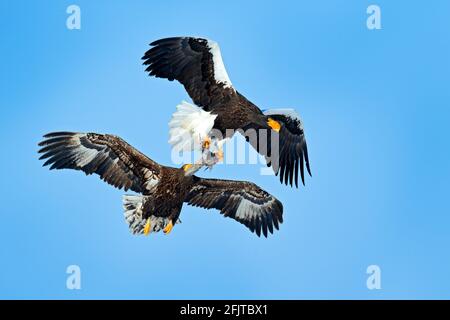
point(243, 201)
point(197, 64)
point(291, 153)
point(113, 159)
point(194, 62)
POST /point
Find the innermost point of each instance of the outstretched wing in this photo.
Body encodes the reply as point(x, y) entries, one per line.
point(194, 62)
point(114, 160)
point(243, 201)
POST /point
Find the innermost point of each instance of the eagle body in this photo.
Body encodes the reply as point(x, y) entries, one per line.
point(167, 198)
point(243, 115)
point(161, 190)
point(197, 64)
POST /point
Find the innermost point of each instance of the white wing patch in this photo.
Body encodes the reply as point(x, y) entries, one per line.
point(248, 210)
point(189, 126)
point(150, 184)
point(83, 155)
point(220, 73)
point(287, 112)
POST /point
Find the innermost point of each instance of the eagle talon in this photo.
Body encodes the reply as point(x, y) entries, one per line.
point(206, 143)
point(168, 227)
point(218, 105)
point(147, 227)
point(220, 155)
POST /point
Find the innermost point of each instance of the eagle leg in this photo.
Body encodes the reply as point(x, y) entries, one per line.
point(220, 154)
point(206, 143)
point(168, 227)
point(147, 227)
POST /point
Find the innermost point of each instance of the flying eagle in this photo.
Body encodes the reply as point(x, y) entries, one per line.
point(197, 64)
point(163, 190)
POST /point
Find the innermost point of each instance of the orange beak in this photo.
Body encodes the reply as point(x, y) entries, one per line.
point(275, 125)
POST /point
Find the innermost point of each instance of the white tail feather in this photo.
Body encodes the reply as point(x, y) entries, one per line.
point(189, 126)
point(133, 211)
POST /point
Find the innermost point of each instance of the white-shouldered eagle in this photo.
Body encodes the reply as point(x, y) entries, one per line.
point(197, 64)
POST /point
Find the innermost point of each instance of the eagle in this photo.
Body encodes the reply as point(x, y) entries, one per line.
point(197, 64)
point(161, 190)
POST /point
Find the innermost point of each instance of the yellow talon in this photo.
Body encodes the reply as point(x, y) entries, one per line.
point(206, 143)
point(168, 228)
point(147, 227)
point(275, 125)
point(220, 155)
point(186, 167)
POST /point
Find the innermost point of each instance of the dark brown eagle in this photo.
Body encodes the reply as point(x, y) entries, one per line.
point(163, 190)
point(197, 64)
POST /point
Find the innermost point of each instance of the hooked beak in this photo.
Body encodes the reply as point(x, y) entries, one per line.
point(190, 169)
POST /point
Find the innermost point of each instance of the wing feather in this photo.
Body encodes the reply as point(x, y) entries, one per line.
point(292, 153)
point(114, 160)
point(243, 201)
point(194, 62)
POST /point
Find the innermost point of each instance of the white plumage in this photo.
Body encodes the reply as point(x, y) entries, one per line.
point(220, 73)
point(133, 206)
point(189, 126)
point(289, 112)
point(83, 155)
point(248, 210)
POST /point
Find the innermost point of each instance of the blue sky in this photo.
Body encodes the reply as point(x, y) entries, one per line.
point(375, 108)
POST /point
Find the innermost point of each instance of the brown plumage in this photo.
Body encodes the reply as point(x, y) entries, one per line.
point(196, 63)
point(163, 189)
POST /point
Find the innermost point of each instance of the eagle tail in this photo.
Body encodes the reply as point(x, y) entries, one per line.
point(137, 218)
point(188, 127)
